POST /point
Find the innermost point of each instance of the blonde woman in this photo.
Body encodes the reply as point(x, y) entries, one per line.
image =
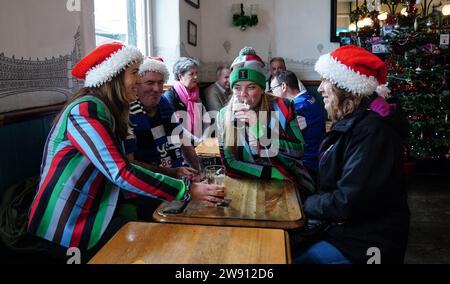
point(258, 133)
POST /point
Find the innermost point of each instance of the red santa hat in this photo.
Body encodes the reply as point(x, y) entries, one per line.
point(154, 64)
point(355, 70)
point(106, 61)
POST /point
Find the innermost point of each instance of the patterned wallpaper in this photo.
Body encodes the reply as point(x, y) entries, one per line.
point(28, 83)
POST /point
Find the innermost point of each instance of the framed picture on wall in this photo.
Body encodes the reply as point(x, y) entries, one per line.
point(194, 3)
point(192, 33)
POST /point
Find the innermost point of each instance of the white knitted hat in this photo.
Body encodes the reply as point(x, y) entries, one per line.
point(154, 64)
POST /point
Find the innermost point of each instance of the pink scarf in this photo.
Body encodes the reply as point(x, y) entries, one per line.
point(190, 100)
point(383, 108)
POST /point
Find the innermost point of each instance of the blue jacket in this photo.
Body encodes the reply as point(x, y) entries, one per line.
point(312, 123)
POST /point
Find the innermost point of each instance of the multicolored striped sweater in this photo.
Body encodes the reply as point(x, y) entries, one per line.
point(285, 165)
point(82, 173)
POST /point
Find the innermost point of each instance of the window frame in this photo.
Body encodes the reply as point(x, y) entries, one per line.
point(144, 31)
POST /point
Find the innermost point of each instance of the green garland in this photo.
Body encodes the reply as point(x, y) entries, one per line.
point(244, 20)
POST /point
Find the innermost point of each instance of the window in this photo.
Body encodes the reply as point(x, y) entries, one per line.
point(126, 21)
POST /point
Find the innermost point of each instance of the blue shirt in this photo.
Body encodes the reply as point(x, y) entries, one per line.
point(311, 118)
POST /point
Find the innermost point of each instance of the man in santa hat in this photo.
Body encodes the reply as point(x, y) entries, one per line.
point(153, 143)
point(151, 116)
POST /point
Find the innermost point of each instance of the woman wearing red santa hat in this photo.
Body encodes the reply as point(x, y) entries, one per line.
point(84, 168)
point(361, 201)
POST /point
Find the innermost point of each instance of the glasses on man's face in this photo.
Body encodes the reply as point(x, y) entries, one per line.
point(274, 87)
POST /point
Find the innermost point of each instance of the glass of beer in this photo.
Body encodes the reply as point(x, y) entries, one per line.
point(215, 174)
point(237, 107)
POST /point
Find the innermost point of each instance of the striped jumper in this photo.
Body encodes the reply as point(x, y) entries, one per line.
point(82, 173)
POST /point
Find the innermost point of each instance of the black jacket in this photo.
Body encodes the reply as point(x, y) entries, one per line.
point(173, 98)
point(361, 186)
point(207, 120)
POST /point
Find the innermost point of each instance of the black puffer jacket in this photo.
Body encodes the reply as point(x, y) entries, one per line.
point(361, 186)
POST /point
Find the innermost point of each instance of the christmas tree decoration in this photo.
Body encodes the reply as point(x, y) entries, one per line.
point(418, 66)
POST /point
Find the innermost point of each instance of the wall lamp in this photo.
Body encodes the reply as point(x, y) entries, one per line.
point(242, 19)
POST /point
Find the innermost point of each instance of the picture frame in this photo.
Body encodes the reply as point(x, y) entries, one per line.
point(194, 3)
point(192, 33)
point(333, 34)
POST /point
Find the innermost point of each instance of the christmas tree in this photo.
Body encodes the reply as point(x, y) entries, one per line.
point(418, 63)
point(418, 78)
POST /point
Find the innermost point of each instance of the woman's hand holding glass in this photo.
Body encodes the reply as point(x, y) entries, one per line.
point(242, 112)
point(207, 194)
point(245, 114)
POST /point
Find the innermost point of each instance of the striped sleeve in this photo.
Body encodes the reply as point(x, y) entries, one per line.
point(88, 129)
point(292, 149)
point(290, 140)
point(240, 169)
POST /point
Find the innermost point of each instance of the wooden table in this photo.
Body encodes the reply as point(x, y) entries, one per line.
point(152, 243)
point(255, 203)
point(208, 148)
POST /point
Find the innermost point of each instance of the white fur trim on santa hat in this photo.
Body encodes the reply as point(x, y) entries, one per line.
point(383, 90)
point(118, 61)
point(151, 65)
point(344, 77)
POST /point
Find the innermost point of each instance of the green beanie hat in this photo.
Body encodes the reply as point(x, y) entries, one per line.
point(248, 66)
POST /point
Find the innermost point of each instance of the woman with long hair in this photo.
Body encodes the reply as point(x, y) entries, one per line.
point(361, 200)
point(259, 136)
point(84, 167)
